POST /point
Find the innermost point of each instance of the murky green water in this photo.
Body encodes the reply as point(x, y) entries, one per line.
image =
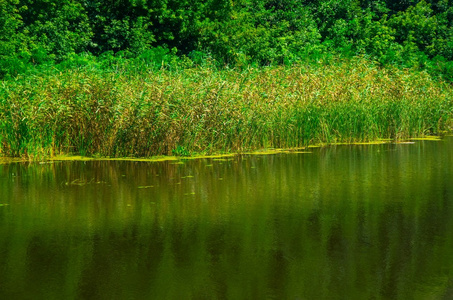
point(347, 222)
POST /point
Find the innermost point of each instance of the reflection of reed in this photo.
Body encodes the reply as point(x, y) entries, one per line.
point(360, 222)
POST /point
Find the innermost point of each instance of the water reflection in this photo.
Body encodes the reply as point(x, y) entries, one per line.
point(358, 222)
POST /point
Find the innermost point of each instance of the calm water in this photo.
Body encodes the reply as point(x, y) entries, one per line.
point(346, 222)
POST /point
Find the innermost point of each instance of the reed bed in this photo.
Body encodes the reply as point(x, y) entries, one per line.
point(204, 110)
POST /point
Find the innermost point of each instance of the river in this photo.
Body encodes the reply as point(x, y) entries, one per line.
point(340, 222)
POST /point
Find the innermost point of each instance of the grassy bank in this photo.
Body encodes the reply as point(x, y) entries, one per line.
point(204, 110)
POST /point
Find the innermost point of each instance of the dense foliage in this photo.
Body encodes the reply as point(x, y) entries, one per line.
point(407, 33)
point(208, 110)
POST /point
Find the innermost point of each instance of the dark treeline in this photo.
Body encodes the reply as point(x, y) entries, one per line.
point(407, 33)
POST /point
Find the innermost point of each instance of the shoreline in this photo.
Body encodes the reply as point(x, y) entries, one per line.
point(270, 151)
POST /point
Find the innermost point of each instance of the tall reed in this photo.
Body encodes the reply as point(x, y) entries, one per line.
point(204, 110)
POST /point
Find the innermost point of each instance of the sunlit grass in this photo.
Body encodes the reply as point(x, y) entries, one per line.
point(205, 111)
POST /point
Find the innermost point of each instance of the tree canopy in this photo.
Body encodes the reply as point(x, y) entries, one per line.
point(410, 33)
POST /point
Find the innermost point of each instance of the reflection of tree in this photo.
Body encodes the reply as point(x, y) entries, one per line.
point(350, 222)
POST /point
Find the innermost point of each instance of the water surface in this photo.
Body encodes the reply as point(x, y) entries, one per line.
point(346, 222)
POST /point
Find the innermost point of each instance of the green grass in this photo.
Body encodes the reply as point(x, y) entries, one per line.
point(119, 113)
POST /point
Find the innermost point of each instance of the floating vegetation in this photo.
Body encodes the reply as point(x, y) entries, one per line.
point(300, 152)
point(61, 158)
point(79, 182)
point(269, 152)
point(196, 156)
point(82, 182)
point(8, 160)
point(145, 186)
point(427, 138)
point(4, 204)
point(377, 142)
